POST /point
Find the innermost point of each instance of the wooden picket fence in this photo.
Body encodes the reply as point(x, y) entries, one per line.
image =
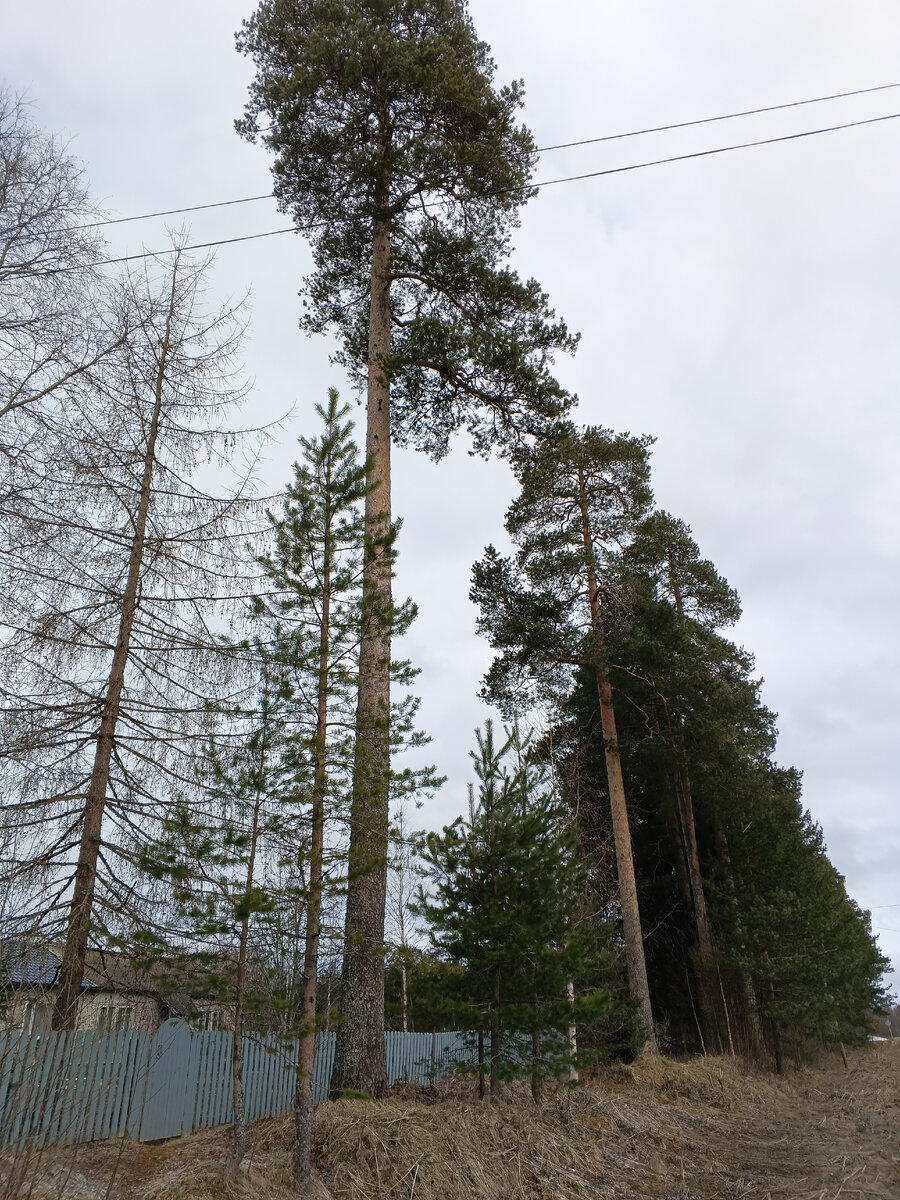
point(65, 1088)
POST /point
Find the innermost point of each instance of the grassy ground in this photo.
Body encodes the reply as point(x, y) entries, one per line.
point(710, 1129)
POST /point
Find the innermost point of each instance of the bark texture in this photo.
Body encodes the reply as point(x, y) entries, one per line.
point(360, 1063)
point(628, 897)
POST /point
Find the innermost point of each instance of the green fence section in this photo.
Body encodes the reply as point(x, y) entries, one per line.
point(63, 1088)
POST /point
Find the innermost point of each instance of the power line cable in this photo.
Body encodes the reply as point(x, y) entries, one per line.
point(173, 212)
point(247, 237)
point(656, 162)
point(747, 112)
point(609, 137)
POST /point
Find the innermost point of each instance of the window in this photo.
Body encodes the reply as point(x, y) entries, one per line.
point(35, 1017)
point(114, 1018)
point(211, 1019)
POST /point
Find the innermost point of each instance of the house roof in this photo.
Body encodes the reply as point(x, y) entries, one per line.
point(22, 963)
point(115, 972)
point(38, 966)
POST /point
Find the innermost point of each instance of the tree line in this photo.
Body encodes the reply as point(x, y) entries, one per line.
point(202, 712)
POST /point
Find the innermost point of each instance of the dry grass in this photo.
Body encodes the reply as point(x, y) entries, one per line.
point(711, 1129)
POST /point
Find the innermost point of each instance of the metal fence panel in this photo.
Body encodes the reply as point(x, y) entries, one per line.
point(168, 1095)
point(66, 1088)
point(323, 1064)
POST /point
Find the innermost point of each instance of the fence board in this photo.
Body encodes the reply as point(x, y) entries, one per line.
point(137, 1087)
point(222, 1102)
point(135, 1049)
point(165, 1096)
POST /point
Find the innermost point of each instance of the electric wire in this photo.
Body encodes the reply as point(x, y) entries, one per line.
point(747, 112)
point(529, 187)
point(609, 137)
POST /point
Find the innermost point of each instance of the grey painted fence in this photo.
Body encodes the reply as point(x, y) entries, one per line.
point(81, 1087)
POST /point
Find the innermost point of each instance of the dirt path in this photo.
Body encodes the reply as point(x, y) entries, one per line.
point(706, 1130)
point(833, 1133)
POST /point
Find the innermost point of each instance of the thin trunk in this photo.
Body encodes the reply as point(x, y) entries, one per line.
point(687, 979)
point(684, 884)
point(777, 1043)
point(481, 1080)
point(708, 1005)
point(690, 860)
point(360, 1062)
point(631, 917)
point(754, 1021)
point(495, 1037)
point(706, 1028)
point(535, 1062)
point(727, 1014)
point(303, 1094)
point(673, 581)
point(239, 1147)
point(65, 1013)
point(239, 1126)
point(691, 853)
point(573, 1033)
point(403, 995)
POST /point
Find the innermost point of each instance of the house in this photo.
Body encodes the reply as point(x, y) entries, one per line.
point(116, 994)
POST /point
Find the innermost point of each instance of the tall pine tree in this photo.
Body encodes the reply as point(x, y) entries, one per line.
point(582, 493)
point(402, 163)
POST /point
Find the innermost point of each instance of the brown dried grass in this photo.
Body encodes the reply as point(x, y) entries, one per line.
point(660, 1130)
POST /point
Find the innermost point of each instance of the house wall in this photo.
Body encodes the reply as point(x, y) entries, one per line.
point(31, 1009)
point(210, 1014)
point(115, 1011)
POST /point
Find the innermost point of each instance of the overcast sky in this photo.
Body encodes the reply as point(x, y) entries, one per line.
point(743, 308)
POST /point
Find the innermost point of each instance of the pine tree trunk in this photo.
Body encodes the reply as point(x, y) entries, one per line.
point(535, 1063)
point(360, 1063)
point(495, 1038)
point(303, 1095)
point(239, 1147)
point(691, 853)
point(751, 1007)
point(709, 1007)
point(628, 898)
point(403, 996)
point(706, 993)
point(65, 1013)
point(777, 1044)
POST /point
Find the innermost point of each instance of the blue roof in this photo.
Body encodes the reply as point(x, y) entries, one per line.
point(38, 966)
